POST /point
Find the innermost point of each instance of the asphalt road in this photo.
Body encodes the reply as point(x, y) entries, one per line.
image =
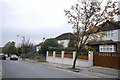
point(25, 69)
point(0, 69)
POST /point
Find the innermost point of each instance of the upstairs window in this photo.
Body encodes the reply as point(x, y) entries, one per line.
point(109, 34)
point(62, 42)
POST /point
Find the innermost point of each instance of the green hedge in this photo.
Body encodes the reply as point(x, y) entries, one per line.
point(68, 49)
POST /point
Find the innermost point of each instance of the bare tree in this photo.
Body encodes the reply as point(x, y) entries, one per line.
point(26, 47)
point(86, 17)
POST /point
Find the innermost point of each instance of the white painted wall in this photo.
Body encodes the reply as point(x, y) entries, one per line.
point(69, 61)
point(38, 48)
point(116, 35)
point(65, 42)
point(119, 35)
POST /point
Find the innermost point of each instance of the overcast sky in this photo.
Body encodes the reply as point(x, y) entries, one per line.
point(33, 19)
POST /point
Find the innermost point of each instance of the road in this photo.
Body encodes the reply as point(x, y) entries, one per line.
point(25, 69)
point(0, 69)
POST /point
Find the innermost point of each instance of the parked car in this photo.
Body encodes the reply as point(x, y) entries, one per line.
point(13, 57)
point(6, 55)
point(2, 56)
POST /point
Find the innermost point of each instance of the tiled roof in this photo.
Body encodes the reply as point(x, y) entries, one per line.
point(39, 44)
point(108, 25)
point(64, 36)
point(104, 42)
point(118, 23)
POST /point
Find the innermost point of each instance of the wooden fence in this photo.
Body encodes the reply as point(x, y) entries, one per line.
point(107, 59)
point(50, 54)
point(68, 54)
point(68, 58)
point(58, 54)
point(81, 55)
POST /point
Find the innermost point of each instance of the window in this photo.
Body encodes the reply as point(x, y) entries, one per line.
point(62, 42)
point(109, 34)
point(107, 48)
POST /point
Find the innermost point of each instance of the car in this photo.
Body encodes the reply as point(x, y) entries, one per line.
point(2, 56)
point(13, 57)
point(6, 55)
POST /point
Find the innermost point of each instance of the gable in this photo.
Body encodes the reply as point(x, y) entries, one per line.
point(65, 36)
point(108, 25)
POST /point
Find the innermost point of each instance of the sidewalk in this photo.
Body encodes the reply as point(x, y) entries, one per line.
point(94, 72)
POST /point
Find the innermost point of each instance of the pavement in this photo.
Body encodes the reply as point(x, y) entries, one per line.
point(94, 72)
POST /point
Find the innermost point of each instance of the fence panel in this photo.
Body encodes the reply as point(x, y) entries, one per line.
point(68, 54)
point(107, 59)
point(82, 55)
point(50, 54)
point(58, 54)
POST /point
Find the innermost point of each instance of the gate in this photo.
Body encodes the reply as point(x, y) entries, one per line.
point(107, 59)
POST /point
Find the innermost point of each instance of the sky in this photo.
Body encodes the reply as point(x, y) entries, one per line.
point(33, 19)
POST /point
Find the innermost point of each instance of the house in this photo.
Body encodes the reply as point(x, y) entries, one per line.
point(0, 49)
point(111, 41)
point(38, 46)
point(64, 39)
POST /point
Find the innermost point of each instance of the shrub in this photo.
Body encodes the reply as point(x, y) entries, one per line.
point(70, 49)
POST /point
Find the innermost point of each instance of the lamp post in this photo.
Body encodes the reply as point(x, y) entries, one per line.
point(23, 44)
point(23, 41)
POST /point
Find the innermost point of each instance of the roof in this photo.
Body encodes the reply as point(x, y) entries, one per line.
point(109, 25)
point(64, 36)
point(103, 42)
point(118, 23)
point(39, 44)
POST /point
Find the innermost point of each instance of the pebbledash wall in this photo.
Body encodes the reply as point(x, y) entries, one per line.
point(69, 61)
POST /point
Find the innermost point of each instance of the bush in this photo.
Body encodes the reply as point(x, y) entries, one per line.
point(57, 49)
point(50, 45)
point(83, 50)
point(70, 49)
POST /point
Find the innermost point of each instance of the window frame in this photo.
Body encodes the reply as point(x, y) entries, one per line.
point(107, 48)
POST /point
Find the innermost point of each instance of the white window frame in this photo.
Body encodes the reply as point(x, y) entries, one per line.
point(107, 48)
point(62, 42)
point(109, 34)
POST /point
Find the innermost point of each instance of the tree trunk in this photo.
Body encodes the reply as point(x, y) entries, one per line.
point(74, 63)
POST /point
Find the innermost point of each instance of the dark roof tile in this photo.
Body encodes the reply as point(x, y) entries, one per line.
point(64, 36)
point(109, 25)
point(103, 42)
